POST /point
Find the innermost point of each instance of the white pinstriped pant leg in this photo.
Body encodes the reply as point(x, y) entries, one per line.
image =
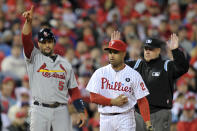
point(126, 122)
point(106, 123)
point(121, 122)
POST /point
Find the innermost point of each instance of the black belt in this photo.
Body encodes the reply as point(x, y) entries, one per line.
point(55, 105)
point(111, 114)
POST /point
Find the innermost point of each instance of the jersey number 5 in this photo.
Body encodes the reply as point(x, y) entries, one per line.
point(61, 85)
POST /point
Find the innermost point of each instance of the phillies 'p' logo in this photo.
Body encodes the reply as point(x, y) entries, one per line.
point(142, 86)
point(113, 42)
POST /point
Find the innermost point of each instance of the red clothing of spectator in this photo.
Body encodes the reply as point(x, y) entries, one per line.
point(89, 40)
point(101, 16)
point(2, 56)
point(187, 126)
point(59, 49)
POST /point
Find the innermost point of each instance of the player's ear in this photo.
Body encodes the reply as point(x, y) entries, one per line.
point(124, 54)
point(39, 44)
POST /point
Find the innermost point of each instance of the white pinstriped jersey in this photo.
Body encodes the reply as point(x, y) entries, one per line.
point(49, 80)
point(109, 83)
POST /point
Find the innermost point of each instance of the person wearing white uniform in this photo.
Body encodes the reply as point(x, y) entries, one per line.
point(116, 88)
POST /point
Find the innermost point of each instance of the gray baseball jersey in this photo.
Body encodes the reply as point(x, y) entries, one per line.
point(49, 80)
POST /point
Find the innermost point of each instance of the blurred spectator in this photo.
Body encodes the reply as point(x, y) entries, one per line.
point(177, 107)
point(153, 32)
point(130, 33)
point(135, 50)
point(107, 31)
point(164, 30)
point(17, 117)
point(62, 44)
point(154, 13)
point(17, 40)
point(184, 42)
point(72, 59)
point(188, 120)
point(173, 26)
point(2, 56)
point(182, 87)
point(14, 64)
point(81, 48)
point(88, 37)
point(102, 13)
point(7, 89)
point(95, 55)
point(193, 61)
point(23, 93)
point(7, 37)
point(86, 65)
point(68, 14)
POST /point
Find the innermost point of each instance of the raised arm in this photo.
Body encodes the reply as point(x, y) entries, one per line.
point(179, 64)
point(27, 33)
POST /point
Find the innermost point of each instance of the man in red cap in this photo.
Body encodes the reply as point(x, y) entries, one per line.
point(116, 88)
point(188, 120)
point(7, 100)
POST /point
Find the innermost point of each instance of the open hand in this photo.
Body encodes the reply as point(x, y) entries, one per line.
point(115, 35)
point(173, 43)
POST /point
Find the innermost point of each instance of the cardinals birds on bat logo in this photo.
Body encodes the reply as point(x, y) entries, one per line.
point(45, 34)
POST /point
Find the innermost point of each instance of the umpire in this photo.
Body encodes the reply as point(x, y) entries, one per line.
point(159, 76)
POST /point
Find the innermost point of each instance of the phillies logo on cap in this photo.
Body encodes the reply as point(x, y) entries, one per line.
point(112, 43)
point(116, 45)
point(45, 34)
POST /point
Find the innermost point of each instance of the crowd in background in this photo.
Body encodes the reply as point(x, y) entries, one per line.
point(82, 29)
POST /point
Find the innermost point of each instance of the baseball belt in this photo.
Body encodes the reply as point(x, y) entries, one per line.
point(110, 114)
point(54, 105)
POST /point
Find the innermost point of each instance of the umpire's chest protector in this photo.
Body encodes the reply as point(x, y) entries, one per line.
point(158, 81)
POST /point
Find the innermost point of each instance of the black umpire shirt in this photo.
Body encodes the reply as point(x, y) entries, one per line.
point(159, 76)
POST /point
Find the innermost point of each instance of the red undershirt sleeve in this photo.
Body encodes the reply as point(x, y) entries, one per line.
point(74, 93)
point(99, 99)
point(144, 108)
point(27, 44)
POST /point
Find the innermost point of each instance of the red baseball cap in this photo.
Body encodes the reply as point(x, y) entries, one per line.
point(116, 45)
point(25, 77)
point(188, 106)
point(6, 79)
point(20, 114)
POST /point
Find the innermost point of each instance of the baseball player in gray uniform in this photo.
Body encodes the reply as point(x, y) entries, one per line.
point(52, 81)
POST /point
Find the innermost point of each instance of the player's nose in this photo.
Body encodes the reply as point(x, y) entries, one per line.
point(47, 44)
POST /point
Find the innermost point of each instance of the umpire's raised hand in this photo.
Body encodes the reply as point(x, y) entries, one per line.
point(173, 43)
